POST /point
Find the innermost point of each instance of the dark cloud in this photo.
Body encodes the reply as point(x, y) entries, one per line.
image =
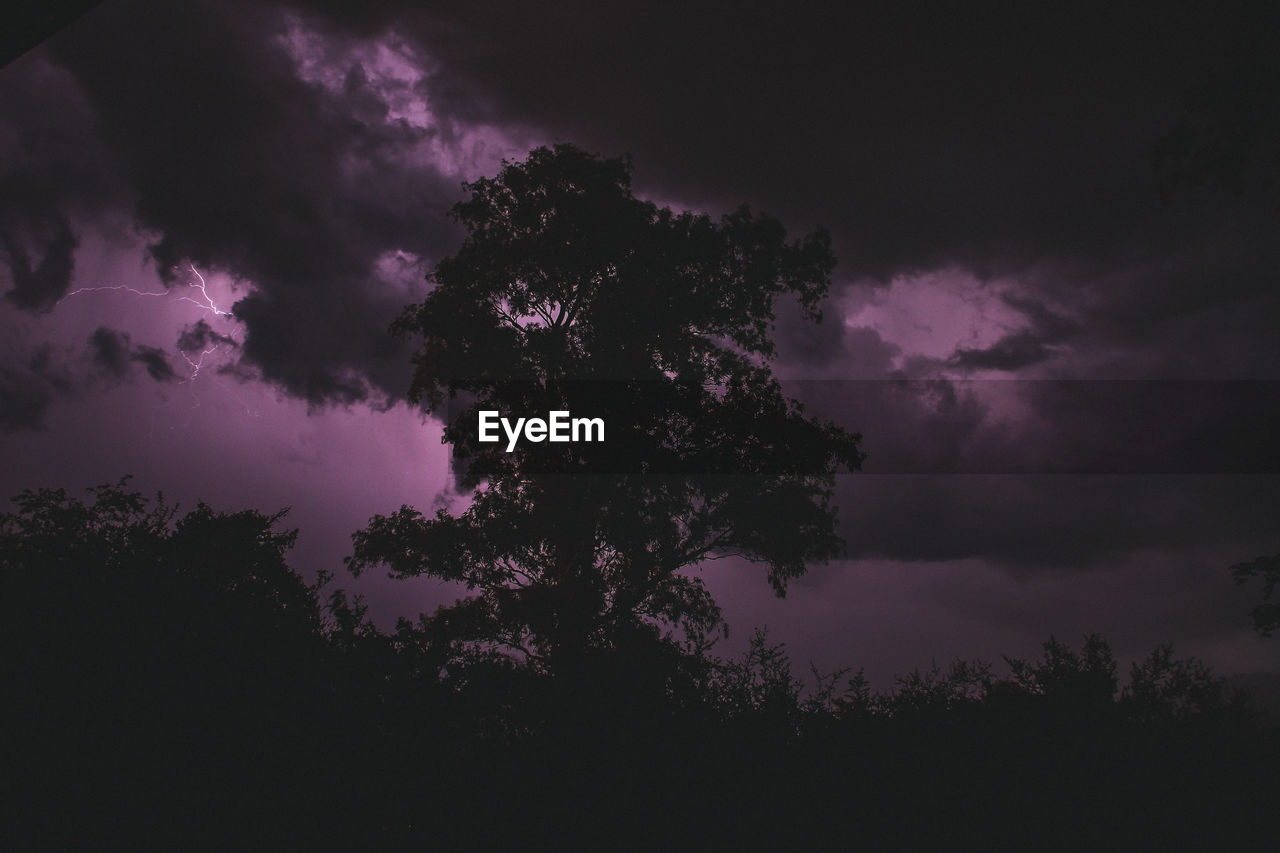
point(805, 343)
point(1156, 427)
point(41, 256)
point(1049, 325)
point(830, 348)
point(53, 167)
point(1013, 142)
point(1030, 523)
point(113, 352)
point(200, 336)
point(1023, 348)
point(1011, 352)
point(240, 165)
point(1055, 474)
point(908, 426)
point(24, 398)
point(968, 136)
point(1072, 427)
point(998, 143)
point(109, 351)
point(156, 363)
point(28, 385)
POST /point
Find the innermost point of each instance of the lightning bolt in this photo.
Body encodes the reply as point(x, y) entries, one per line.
point(207, 305)
point(201, 300)
point(123, 287)
point(197, 363)
point(208, 302)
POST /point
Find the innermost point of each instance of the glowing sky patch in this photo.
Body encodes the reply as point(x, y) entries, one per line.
point(935, 313)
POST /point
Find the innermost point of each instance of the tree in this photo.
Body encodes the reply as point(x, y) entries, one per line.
point(120, 561)
point(1076, 681)
point(1164, 687)
point(140, 641)
point(571, 294)
point(1266, 616)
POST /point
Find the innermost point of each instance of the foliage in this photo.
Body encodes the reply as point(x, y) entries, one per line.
point(118, 546)
point(158, 657)
point(1085, 679)
point(570, 294)
point(1266, 616)
point(175, 684)
point(1163, 687)
point(760, 684)
point(934, 691)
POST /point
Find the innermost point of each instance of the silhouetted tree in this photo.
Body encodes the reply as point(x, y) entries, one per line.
point(170, 672)
point(1266, 616)
point(121, 560)
point(1078, 681)
point(1164, 687)
point(1228, 137)
point(570, 294)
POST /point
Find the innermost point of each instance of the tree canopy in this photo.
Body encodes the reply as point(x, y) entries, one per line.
point(1266, 616)
point(571, 294)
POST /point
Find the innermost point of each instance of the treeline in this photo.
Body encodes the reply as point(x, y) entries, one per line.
point(175, 684)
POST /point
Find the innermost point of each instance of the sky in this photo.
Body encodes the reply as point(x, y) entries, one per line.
point(1053, 319)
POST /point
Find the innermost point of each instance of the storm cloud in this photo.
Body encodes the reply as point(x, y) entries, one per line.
point(235, 162)
point(113, 353)
point(1053, 320)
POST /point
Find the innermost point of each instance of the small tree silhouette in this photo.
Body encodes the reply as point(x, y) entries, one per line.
point(571, 294)
point(1266, 616)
